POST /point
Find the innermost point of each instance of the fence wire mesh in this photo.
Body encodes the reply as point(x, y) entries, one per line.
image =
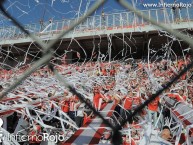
point(48, 54)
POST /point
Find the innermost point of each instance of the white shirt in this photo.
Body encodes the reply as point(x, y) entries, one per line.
point(80, 110)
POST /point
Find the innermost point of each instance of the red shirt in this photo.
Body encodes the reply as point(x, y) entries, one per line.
point(183, 77)
point(180, 64)
point(112, 72)
point(127, 103)
point(153, 106)
point(104, 72)
point(109, 97)
point(96, 99)
point(65, 106)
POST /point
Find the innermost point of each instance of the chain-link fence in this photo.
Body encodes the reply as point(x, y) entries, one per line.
point(48, 54)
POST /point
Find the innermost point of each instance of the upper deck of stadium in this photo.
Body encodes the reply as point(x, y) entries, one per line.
point(118, 29)
point(125, 22)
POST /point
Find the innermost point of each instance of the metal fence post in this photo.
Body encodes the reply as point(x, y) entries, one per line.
point(149, 15)
point(62, 25)
point(187, 10)
point(120, 19)
point(156, 16)
point(180, 14)
point(164, 16)
point(127, 20)
point(113, 20)
point(172, 16)
point(101, 23)
point(107, 21)
point(93, 22)
point(86, 23)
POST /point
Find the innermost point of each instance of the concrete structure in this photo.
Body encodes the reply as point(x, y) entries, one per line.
point(115, 34)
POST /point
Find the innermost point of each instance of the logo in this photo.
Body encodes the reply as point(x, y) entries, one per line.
point(22, 138)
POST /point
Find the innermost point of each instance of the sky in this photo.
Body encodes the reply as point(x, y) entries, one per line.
point(32, 11)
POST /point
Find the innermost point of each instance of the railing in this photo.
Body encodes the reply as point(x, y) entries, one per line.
point(98, 22)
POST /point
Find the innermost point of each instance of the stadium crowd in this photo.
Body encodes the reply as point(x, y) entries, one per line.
point(128, 84)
